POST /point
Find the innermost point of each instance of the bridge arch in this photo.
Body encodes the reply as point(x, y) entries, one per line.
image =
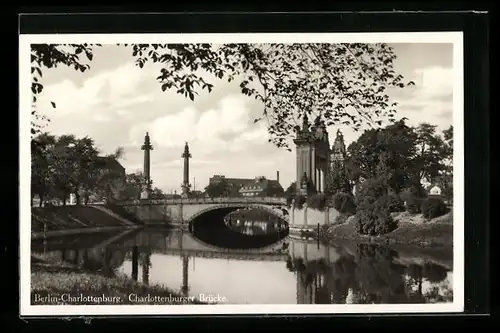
point(273, 210)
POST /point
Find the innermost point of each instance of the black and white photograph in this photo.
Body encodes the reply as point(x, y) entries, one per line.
point(241, 173)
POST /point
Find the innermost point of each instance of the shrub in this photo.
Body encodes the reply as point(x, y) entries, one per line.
point(300, 200)
point(396, 204)
point(373, 214)
point(317, 201)
point(340, 219)
point(344, 203)
point(414, 197)
point(433, 207)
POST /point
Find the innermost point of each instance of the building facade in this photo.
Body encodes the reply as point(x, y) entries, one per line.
point(251, 187)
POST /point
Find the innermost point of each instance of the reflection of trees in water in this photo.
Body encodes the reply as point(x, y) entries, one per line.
point(434, 274)
point(379, 279)
point(373, 276)
point(104, 261)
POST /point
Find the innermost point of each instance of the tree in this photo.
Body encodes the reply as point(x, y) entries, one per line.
point(157, 193)
point(373, 216)
point(445, 181)
point(41, 177)
point(430, 152)
point(339, 83)
point(133, 186)
point(220, 188)
point(383, 153)
point(66, 164)
point(290, 193)
point(338, 181)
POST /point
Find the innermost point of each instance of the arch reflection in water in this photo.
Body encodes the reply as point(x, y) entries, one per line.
point(285, 272)
point(240, 229)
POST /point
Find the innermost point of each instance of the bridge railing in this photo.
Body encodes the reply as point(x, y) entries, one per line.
point(191, 201)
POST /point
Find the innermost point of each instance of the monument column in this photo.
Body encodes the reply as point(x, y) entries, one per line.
point(147, 147)
point(185, 184)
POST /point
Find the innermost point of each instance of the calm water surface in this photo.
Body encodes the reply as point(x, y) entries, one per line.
point(286, 271)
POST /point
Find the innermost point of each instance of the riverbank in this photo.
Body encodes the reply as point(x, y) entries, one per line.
point(412, 230)
point(55, 283)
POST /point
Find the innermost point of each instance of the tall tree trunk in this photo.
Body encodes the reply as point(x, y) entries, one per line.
point(77, 197)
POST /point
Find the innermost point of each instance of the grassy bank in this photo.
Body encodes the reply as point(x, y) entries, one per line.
point(412, 230)
point(58, 283)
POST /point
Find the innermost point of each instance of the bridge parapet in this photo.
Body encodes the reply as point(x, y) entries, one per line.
point(196, 201)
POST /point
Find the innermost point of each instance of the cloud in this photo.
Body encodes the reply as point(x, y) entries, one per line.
point(116, 104)
point(431, 99)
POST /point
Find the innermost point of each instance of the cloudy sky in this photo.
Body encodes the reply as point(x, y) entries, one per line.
point(115, 103)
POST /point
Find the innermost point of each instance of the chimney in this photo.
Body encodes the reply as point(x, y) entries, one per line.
point(277, 176)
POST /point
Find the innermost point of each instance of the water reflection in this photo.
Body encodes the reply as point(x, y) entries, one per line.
point(286, 271)
point(372, 274)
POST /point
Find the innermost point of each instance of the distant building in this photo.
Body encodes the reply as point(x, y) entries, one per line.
point(259, 186)
point(262, 187)
point(235, 184)
point(435, 191)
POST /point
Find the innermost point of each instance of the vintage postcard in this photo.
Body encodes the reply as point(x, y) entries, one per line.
point(241, 173)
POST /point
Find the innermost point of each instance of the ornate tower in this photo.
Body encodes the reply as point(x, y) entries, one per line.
point(185, 183)
point(338, 152)
point(313, 156)
point(147, 147)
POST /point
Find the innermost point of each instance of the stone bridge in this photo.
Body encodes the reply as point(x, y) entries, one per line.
point(184, 211)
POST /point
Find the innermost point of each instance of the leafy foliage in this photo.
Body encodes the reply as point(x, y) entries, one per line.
point(433, 207)
point(290, 193)
point(344, 203)
point(66, 164)
point(50, 56)
point(372, 213)
point(338, 181)
point(299, 202)
point(317, 201)
point(340, 83)
point(220, 188)
point(383, 153)
point(414, 197)
point(403, 157)
point(396, 204)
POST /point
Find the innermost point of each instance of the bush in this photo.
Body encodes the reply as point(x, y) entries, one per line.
point(340, 219)
point(396, 204)
point(317, 201)
point(344, 203)
point(433, 207)
point(373, 216)
point(300, 200)
point(414, 197)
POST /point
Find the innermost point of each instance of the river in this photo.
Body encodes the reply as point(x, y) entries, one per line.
point(277, 271)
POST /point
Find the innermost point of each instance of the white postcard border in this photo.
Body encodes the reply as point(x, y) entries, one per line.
point(26, 309)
